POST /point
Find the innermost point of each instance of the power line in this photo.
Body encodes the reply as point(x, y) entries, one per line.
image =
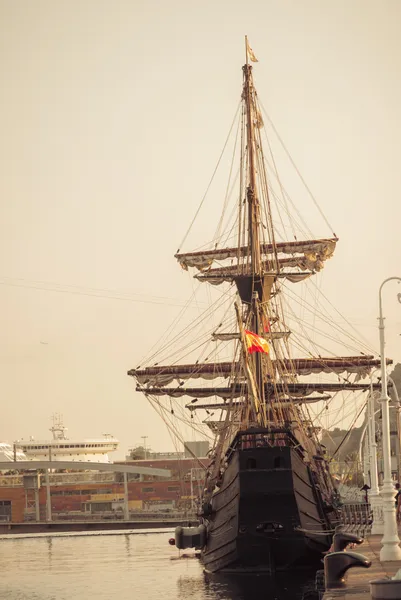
point(45, 286)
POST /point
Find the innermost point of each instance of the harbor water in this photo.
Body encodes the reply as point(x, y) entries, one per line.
point(124, 566)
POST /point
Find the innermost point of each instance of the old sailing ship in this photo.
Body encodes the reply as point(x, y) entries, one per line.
point(268, 501)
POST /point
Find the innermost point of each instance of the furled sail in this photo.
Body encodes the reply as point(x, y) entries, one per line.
point(218, 276)
point(237, 404)
point(312, 250)
point(304, 262)
point(225, 337)
point(165, 374)
point(240, 390)
point(269, 335)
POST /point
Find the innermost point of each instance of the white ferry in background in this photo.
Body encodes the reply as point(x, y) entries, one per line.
point(9, 454)
point(62, 448)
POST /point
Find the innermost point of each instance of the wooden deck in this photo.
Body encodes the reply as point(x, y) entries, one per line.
point(358, 578)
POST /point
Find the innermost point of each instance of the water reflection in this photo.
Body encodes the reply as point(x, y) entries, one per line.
point(123, 567)
point(191, 588)
point(49, 542)
point(245, 587)
point(128, 545)
point(263, 587)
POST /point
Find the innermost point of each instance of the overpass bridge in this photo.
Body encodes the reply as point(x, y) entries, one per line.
point(47, 466)
point(75, 465)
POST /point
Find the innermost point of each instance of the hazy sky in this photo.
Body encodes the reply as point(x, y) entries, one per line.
point(112, 116)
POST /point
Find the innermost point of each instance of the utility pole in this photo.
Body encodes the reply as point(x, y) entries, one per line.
point(48, 497)
point(126, 504)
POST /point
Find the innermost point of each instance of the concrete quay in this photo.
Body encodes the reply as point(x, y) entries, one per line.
point(358, 578)
point(75, 526)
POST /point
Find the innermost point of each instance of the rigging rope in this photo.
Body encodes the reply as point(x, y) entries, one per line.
point(349, 431)
point(228, 194)
point(297, 171)
point(367, 346)
point(211, 180)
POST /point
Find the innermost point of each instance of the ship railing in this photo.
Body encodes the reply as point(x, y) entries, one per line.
point(265, 438)
point(262, 438)
point(356, 517)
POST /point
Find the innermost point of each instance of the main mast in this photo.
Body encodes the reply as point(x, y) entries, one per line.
point(256, 270)
point(252, 198)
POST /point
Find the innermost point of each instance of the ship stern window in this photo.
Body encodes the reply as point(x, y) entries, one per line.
point(251, 463)
point(279, 462)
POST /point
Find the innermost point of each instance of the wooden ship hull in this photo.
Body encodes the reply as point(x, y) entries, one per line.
point(267, 515)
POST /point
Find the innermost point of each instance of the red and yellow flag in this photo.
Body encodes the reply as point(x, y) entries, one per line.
point(255, 343)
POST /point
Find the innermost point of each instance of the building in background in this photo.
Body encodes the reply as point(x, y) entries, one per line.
point(91, 494)
point(188, 469)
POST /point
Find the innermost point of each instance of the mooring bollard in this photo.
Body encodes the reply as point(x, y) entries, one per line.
point(319, 582)
point(190, 537)
point(341, 540)
point(337, 564)
point(386, 589)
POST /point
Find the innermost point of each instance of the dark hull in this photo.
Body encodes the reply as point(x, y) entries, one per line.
point(267, 515)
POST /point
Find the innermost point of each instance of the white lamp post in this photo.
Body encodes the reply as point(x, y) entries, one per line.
point(374, 492)
point(397, 407)
point(390, 542)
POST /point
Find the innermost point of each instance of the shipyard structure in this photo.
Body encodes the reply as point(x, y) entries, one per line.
point(164, 483)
